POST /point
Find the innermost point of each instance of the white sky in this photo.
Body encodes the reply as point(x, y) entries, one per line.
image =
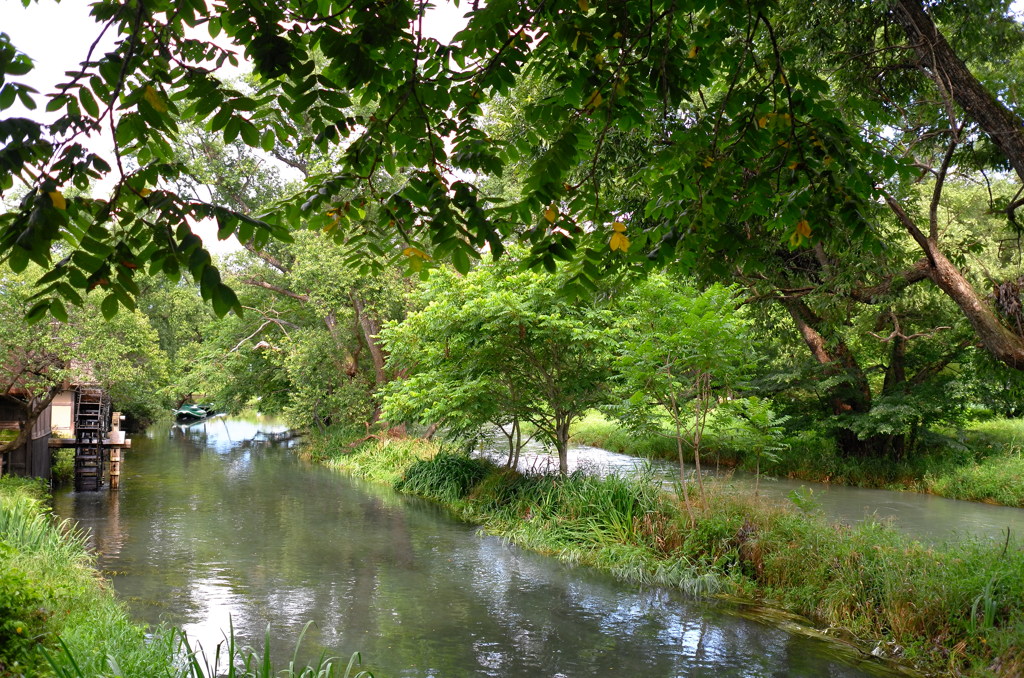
point(58, 37)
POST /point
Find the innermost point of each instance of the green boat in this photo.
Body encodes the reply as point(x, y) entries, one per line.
point(191, 412)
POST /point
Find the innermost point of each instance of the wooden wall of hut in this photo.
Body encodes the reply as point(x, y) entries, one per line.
point(33, 459)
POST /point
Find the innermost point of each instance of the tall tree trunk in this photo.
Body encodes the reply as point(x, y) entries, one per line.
point(562, 443)
point(851, 397)
point(1003, 126)
point(838, 359)
point(371, 327)
point(1005, 129)
point(1003, 344)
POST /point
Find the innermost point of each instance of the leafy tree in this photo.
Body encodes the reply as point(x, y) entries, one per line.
point(500, 345)
point(36, 361)
point(680, 351)
point(758, 428)
point(752, 121)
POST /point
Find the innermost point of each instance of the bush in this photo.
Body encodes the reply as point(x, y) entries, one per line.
point(33, 488)
point(447, 477)
point(22, 617)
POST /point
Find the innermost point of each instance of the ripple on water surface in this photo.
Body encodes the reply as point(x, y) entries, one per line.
point(214, 524)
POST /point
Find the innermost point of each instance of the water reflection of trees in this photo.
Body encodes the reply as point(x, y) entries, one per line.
point(244, 531)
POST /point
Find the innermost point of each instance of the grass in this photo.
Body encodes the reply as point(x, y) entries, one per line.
point(380, 460)
point(63, 468)
point(952, 609)
point(984, 463)
point(227, 660)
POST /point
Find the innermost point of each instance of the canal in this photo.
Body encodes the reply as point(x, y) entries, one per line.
point(214, 525)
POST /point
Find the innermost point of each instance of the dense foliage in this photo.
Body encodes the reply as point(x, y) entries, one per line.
point(717, 136)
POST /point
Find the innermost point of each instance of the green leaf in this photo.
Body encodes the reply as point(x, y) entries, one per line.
point(18, 260)
point(58, 311)
point(460, 260)
point(88, 102)
point(109, 306)
point(37, 312)
point(250, 135)
point(267, 140)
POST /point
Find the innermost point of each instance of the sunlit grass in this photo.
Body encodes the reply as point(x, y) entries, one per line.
point(984, 463)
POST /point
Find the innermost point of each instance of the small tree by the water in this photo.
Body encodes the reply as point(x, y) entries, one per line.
point(680, 350)
point(500, 346)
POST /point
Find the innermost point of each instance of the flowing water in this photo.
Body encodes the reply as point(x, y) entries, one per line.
point(214, 526)
point(920, 516)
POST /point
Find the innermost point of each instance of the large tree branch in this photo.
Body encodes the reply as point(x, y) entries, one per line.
point(927, 372)
point(1003, 126)
point(371, 327)
point(836, 359)
point(927, 245)
point(253, 282)
point(265, 257)
point(893, 283)
point(997, 339)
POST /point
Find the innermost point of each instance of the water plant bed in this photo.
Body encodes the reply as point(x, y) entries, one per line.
point(957, 609)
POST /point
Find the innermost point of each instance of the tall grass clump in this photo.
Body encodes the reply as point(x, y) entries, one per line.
point(447, 477)
point(227, 660)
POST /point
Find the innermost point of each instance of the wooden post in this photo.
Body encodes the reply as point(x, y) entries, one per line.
point(115, 468)
point(117, 438)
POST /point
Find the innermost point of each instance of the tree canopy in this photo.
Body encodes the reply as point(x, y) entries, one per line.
point(747, 134)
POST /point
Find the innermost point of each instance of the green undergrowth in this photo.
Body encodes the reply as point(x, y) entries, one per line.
point(384, 460)
point(950, 609)
point(984, 463)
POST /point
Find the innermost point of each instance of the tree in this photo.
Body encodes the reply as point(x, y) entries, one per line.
point(747, 139)
point(500, 346)
point(38, 361)
point(680, 352)
point(313, 63)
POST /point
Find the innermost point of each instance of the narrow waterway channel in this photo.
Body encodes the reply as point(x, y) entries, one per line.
point(213, 526)
point(920, 516)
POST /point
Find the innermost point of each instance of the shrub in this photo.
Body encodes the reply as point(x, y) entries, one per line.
point(447, 477)
point(22, 617)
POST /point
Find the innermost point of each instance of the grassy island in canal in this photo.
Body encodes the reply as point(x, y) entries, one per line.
point(956, 609)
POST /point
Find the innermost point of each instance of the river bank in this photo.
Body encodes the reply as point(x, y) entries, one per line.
point(956, 609)
point(52, 597)
point(984, 463)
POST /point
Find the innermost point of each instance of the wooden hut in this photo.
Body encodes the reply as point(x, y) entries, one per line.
point(31, 459)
